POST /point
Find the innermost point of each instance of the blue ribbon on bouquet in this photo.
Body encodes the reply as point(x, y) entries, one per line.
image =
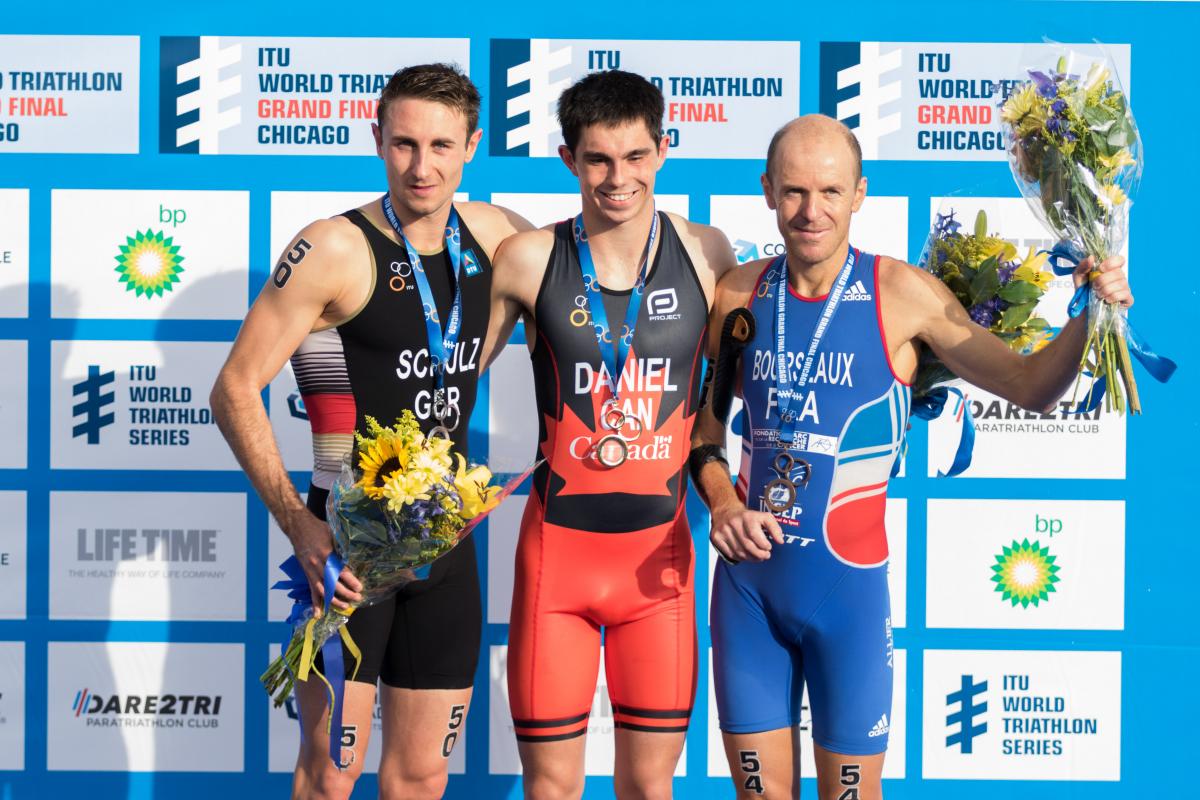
point(929, 407)
point(331, 651)
point(1160, 368)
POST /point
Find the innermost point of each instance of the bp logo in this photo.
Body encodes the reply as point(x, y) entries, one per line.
point(149, 264)
point(1025, 573)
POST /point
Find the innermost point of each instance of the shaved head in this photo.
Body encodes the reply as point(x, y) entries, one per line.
point(814, 126)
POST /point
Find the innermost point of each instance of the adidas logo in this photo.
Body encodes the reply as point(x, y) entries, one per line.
point(856, 292)
point(881, 727)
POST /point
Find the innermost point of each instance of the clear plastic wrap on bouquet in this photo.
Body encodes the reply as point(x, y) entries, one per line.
point(1076, 155)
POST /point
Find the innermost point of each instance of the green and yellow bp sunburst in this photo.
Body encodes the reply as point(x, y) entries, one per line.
point(1025, 573)
point(149, 264)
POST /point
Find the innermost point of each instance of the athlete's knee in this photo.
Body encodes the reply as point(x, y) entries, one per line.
point(317, 778)
point(407, 787)
point(642, 787)
point(403, 776)
point(553, 785)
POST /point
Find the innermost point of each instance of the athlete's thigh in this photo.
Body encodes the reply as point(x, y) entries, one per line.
point(757, 674)
point(848, 666)
point(650, 664)
point(434, 639)
point(848, 777)
point(421, 728)
point(765, 764)
point(314, 767)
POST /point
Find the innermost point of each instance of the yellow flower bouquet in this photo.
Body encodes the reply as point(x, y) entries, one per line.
point(407, 502)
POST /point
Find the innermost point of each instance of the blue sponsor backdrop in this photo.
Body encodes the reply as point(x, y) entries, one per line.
point(1158, 696)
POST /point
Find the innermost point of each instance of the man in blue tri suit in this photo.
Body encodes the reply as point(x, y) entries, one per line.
point(801, 596)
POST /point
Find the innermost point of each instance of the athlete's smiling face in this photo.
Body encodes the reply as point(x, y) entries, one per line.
point(813, 190)
point(424, 145)
point(616, 166)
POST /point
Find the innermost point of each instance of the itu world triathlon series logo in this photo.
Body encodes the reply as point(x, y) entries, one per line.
point(527, 77)
point(966, 714)
point(149, 263)
point(192, 91)
point(92, 406)
point(1025, 573)
point(858, 83)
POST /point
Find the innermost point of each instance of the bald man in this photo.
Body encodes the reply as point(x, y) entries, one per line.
point(801, 595)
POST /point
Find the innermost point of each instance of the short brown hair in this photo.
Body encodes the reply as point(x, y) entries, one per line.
point(610, 98)
point(439, 83)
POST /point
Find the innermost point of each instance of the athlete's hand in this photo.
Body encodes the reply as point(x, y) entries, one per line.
point(313, 542)
point(740, 534)
point(1109, 281)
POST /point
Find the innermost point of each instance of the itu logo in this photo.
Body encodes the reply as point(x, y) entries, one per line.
point(965, 716)
point(527, 77)
point(92, 406)
point(857, 82)
point(192, 91)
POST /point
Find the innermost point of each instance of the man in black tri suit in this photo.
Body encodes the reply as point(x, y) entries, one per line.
point(345, 306)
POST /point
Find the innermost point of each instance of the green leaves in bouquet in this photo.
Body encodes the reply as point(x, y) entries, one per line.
point(1019, 292)
point(986, 281)
point(1017, 315)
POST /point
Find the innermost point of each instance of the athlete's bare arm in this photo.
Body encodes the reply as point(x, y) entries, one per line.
point(710, 252)
point(517, 273)
point(919, 307)
point(738, 533)
point(320, 279)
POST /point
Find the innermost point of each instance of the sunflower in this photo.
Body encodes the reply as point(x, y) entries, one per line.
point(380, 459)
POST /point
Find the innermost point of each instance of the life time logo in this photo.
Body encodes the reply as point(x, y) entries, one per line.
point(147, 710)
point(166, 407)
point(1031, 724)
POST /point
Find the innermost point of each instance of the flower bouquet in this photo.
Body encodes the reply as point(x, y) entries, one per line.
point(999, 292)
point(408, 502)
point(1076, 155)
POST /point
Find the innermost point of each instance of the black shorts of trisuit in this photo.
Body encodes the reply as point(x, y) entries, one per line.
point(426, 636)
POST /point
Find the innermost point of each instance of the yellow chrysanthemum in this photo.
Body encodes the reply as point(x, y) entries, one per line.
point(379, 459)
point(477, 497)
point(402, 489)
point(1112, 194)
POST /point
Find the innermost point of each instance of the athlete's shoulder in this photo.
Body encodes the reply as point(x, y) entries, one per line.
point(491, 224)
point(330, 241)
point(712, 245)
point(739, 283)
point(899, 280)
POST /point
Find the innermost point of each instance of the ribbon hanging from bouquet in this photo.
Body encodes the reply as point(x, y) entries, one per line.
point(298, 590)
point(1160, 368)
point(929, 407)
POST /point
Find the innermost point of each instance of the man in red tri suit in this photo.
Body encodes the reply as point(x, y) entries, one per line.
point(346, 306)
point(615, 305)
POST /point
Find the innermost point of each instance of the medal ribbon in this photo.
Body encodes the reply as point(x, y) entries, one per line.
point(441, 344)
point(612, 357)
point(784, 392)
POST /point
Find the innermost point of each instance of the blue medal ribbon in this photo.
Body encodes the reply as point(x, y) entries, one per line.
point(441, 343)
point(331, 652)
point(612, 354)
point(784, 393)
